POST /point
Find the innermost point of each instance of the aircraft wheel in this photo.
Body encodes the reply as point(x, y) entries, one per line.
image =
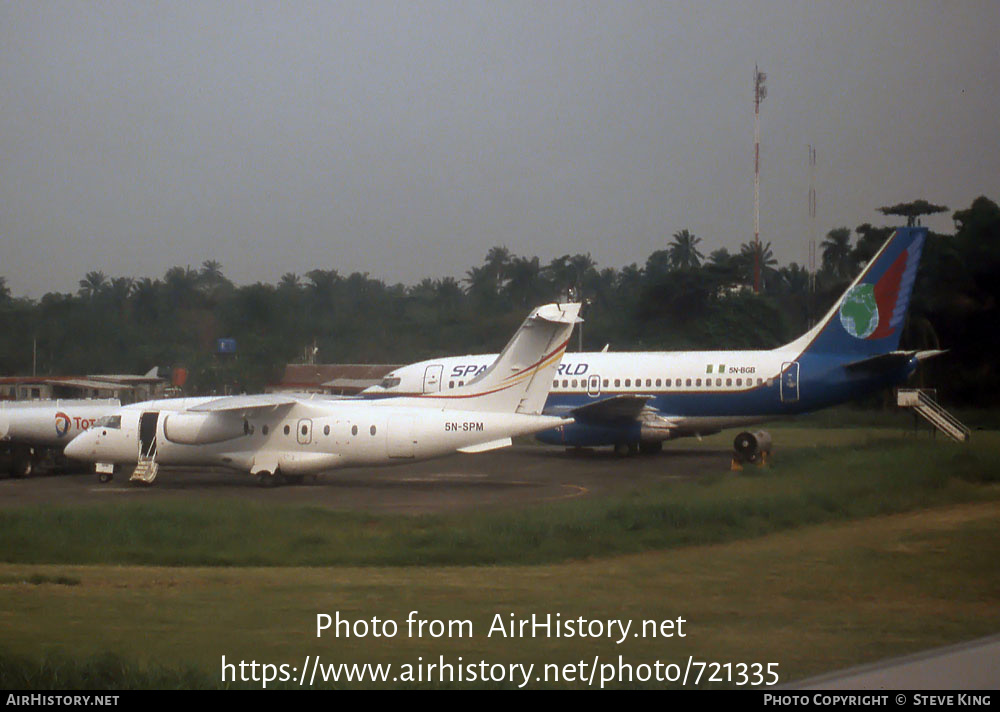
point(104, 477)
point(269, 479)
point(651, 448)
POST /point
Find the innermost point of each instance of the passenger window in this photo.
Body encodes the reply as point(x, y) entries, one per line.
point(354, 430)
point(305, 429)
point(618, 382)
point(372, 430)
point(451, 384)
point(605, 383)
point(729, 381)
point(263, 430)
point(739, 381)
point(287, 430)
point(666, 382)
point(326, 430)
point(688, 382)
point(657, 382)
point(697, 382)
point(628, 382)
point(718, 381)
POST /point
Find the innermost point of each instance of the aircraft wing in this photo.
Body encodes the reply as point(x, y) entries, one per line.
point(615, 408)
point(891, 360)
point(246, 404)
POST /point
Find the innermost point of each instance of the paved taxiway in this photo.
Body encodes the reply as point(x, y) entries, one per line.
point(521, 475)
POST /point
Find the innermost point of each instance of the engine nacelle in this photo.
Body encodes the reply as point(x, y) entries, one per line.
point(202, 428)
point(752, 447)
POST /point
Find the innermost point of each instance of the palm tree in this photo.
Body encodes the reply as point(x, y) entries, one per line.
point(684, 252)
point(525, 285)
point(289, 281)
point(837, 253)
point(322, 283)
point(93, 284)
point(765, 258)
point(181, 286)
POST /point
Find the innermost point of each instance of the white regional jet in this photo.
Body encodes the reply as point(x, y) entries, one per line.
point(279, 437)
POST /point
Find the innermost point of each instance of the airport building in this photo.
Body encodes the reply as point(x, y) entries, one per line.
point(126, 388)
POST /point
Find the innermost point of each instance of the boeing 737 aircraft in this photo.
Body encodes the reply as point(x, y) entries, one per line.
point(279, 437)
point(635, 401)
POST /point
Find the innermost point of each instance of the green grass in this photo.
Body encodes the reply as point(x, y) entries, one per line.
point(876, 473)
point(812, 600)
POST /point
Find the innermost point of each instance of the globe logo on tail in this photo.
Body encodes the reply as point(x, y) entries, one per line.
point(859, 311)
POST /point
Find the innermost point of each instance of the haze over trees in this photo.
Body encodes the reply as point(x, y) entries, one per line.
point(678, 299)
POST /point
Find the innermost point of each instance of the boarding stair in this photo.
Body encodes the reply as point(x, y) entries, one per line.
point(145, 470)
point(922, 403)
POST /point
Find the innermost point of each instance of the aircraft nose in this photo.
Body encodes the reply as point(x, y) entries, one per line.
point(80, 447)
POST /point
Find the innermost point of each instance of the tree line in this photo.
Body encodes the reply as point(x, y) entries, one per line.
point(681, 298)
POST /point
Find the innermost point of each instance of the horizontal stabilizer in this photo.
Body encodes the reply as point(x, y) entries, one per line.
point(623, 407)
point(486, 447)
point(891, 360)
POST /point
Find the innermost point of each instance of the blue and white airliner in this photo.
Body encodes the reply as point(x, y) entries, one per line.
point(636, 400)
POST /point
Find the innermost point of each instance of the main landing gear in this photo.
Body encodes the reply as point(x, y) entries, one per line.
point(643, 447)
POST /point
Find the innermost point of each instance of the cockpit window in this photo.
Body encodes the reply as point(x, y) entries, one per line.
point(390, 382)
point(112, 422)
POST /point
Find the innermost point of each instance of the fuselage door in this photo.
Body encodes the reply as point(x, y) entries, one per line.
point(147, 434)
point(304, 431)
point(432, 378)
point(594, 385)
point(790, 382)
point(399, 442)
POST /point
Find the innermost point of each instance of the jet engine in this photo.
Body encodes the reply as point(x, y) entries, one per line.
point(202, 428)
point(752, 447)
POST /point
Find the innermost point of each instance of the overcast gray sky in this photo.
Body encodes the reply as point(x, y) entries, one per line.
point(406, 139)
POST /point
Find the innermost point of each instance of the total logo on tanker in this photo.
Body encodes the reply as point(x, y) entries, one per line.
point(64, 423)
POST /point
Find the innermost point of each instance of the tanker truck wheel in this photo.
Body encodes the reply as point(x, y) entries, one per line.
point(24, 463)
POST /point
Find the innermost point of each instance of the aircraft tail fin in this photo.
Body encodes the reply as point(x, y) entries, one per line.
point(520, 378)
point(869, 318)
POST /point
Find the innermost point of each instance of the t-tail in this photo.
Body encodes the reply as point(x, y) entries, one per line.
point(520, 378)
point(866, 322)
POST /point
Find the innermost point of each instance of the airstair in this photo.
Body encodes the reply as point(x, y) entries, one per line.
point(922, 403)
point(145, 470)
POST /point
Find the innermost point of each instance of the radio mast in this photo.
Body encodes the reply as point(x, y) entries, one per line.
point(759, 93)
point(812, 218)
